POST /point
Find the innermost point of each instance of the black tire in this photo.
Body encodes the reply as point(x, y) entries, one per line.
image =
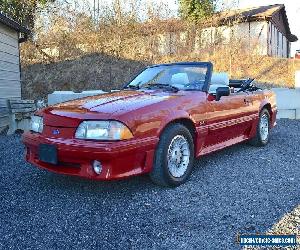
point(160, 173)
point(258, 141)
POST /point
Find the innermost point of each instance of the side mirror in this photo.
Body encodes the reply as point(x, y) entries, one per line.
point(222, 91)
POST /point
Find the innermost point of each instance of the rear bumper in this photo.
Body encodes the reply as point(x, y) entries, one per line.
point(119, 159)
point(273, 117)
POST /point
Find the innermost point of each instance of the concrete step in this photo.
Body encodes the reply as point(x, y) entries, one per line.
point(288, 113)
point(287, 98)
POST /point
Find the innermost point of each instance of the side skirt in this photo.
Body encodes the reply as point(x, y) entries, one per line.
point(221, 145)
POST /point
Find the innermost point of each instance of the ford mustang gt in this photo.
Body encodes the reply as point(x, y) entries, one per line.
point(163, 119)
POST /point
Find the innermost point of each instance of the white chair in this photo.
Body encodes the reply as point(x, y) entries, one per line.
point(218, 80)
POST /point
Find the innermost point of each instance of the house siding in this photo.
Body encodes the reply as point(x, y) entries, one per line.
point(10, 84)
point(278, 45)
point(258, 37)
point(253, 34)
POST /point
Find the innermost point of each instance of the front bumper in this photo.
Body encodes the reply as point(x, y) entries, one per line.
point(119, 159)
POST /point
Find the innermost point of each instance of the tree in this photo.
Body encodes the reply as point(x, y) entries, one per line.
point(196, 10)
point(23, 11)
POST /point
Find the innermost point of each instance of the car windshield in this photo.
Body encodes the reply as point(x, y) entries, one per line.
point(181, 77)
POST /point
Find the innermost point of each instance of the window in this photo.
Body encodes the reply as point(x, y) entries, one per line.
point(184, 77)
point(180, 79)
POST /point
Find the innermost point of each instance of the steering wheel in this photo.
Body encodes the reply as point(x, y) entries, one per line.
point(246, 84)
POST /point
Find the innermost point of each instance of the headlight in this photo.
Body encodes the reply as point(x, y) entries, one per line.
point(103, 130)
point(37, 124)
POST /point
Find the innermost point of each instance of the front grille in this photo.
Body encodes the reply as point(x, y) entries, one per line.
point(69, 164)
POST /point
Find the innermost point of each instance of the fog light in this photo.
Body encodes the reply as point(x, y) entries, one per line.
point(97, 166)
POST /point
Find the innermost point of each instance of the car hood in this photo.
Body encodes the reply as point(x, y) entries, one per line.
point(113, 102)
point(108, 104)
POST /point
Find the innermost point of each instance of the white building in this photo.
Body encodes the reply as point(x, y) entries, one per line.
point(11, 34)
point(264, 29)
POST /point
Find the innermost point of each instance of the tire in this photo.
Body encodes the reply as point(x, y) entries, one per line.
point(174, 157)
point(262, 138)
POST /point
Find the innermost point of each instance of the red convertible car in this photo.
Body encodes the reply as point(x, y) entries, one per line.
point(163, 119)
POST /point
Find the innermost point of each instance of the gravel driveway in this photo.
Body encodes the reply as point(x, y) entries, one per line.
point(239, 189)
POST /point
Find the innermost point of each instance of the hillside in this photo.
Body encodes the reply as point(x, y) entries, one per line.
point(100, 71)
point(94, 71)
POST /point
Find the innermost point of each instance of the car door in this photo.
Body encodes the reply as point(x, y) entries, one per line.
point(254, 102)
point(227, 119)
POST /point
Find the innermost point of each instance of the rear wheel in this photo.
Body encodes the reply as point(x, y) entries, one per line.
point(174, 157)
point(262, 135)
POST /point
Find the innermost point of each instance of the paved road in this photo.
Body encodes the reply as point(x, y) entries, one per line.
point(239, 189)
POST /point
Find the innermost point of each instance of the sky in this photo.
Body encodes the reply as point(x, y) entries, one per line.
point(292, 9)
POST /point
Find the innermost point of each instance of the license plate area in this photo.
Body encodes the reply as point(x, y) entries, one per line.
point(48, 153)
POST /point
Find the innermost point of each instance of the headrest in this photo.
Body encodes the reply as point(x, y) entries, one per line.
point(220, 79)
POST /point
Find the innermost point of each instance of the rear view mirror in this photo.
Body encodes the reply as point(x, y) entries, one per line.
point(222, 91)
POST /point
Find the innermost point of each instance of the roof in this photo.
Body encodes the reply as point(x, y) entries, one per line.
point(13, 24)
point(260, 13)
point(250, 14)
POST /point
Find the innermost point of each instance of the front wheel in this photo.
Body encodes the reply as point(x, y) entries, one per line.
point(174, 157)
point(262, 135)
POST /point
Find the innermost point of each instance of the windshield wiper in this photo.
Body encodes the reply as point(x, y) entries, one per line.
point(162, 85)
point(132, 87)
